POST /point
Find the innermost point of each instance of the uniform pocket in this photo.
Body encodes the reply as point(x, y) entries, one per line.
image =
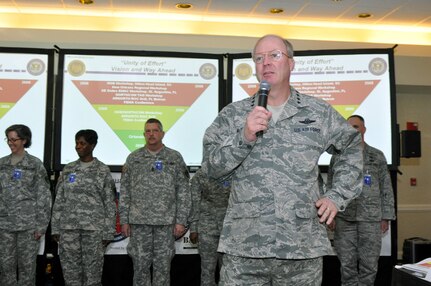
point(245, 210)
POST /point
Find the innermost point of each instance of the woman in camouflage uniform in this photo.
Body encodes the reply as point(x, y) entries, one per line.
point(83, 216)
point(25, 208)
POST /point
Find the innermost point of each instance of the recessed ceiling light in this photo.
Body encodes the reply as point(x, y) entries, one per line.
point(183, 5)
point(276, 10)
point(337, 0)
point(364, 15)
point(86, 1)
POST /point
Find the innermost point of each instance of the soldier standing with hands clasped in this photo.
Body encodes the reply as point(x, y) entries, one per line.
point(83, 216)
point(155, 202)
point(25, 208)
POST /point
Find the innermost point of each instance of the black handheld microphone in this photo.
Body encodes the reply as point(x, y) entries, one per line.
point(262, 94)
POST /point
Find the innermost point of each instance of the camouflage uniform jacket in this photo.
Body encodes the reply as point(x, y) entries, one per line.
point(209, 203)
point(153, 196)
point(85, 199)
point(376, 201)
point(271, 211)
point(25, 196)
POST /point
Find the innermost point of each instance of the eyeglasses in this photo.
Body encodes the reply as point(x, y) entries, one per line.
point(13, 140)
point(273, 56)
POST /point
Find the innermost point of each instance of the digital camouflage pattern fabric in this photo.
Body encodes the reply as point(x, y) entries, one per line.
point(358, 234)
point(210, 198)
point(155, 195)
point(152, 196)
point(25, 208)
point(271, 210)
point(376, 201)
point(25, 195)
point(84, 214)
point(85, 199)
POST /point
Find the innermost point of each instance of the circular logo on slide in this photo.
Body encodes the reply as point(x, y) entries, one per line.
point(36, 67)
point(378, 66)
point(76, 68)
point(243, 71)
point(207, 71)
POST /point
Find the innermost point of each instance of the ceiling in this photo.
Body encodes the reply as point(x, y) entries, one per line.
point(409, 13)
point(392, 22)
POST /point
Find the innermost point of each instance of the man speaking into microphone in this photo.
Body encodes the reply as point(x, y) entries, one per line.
point(274, 230)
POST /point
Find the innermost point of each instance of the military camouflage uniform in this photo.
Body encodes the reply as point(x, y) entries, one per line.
point(210, 200)
point(358, 236)
point(25, 208)
point(84, 215)
point(271, 211)
point(155, 195)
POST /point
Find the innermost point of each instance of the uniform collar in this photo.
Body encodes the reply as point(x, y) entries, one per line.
point(294, 103)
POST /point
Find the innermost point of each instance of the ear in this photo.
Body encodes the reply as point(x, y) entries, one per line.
point(291, 64)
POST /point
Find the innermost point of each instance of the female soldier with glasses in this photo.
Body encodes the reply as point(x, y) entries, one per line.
point(25, 208)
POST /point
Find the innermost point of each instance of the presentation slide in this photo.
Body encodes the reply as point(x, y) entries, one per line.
point(351, 83)
point(116, 94)
point(24, 95)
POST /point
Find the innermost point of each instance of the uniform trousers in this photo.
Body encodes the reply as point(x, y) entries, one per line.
point(19, 249)
point(358, 245)
point(151, 245)
point(81, 257)
point(209, 257)
point(240, 271)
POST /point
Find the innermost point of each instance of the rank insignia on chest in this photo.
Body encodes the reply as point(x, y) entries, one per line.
point(17, 174)
point(72, 178)
point(367, 180)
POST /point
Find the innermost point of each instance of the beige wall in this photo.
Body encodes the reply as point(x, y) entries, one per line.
point(414, 203)
point(414, 105)
point(413, 94)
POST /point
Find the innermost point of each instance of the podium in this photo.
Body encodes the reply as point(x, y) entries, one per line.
point(401, 277)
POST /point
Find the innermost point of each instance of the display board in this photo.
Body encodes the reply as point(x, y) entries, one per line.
point(26, 81)
point(115, 92)
point(352, 81)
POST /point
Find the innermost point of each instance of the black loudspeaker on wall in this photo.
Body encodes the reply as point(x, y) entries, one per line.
point(410, 143)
